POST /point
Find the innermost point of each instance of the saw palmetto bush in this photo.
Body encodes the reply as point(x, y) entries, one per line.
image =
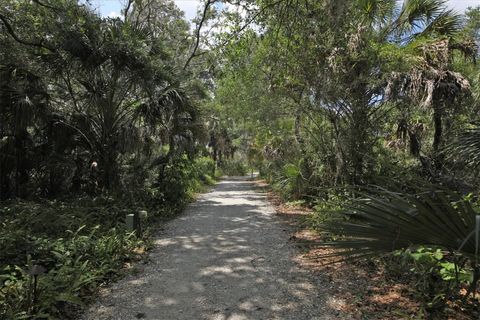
point(386, 221)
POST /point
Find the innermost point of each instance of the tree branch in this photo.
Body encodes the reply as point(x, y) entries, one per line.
point(249, 22)
point(127, 8)
point(199, 27)
point(12, 33)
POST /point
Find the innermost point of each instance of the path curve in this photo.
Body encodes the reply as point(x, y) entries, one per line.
point(226, 258)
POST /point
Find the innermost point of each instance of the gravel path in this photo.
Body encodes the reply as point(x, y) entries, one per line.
point(226, 258)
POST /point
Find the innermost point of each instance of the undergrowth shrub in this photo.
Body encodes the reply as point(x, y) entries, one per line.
point(324, 209)
point(436, 275)
point(205, 169)
point(290, 183)
point(178, 180)
point(296, 180)
point(23, 222)
point(61, 274)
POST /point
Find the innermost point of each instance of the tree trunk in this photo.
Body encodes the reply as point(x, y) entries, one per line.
point(437, 136)
point(109, 169)
point(358, 143)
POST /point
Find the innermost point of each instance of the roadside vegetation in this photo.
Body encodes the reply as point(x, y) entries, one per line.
point(364, 111)
point(99, 118)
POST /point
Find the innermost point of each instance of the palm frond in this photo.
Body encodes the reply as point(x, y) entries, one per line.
point(447, 23)
point(466, 147)
point(377, 11)
point(387, 221)
point(423, 18)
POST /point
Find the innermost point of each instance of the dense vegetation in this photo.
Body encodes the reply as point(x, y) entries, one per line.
point(99, 118)
point(366, 110)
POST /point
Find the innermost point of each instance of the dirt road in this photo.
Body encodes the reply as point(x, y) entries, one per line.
point(226, 258)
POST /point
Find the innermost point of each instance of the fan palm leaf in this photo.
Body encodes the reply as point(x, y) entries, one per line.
point(446, 23)
point(423, 18)
point(387, 221)
point(467, 146)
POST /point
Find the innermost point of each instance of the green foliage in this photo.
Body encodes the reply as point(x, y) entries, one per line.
point(290, 183)
point(73, 268)
point(180, 179)
point(385, 221)
point(101, 94)
point(436, 275)
point(381, 222)
point(326, 209)
point(21, 221)
point(77, 262)
point(433, 262)
point(205, 169)
point(233, 167)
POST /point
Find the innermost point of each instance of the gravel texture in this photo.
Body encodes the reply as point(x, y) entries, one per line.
point(227, 257)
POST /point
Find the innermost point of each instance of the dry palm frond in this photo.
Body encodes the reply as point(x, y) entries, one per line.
point(436, 53)
point(467, 47)
point(356, 40)
point(431, 77)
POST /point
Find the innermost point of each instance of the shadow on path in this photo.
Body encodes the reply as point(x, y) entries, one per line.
point(227, 258)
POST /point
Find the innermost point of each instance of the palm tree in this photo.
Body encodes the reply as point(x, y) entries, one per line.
point(383, 221)
point(426, 33)
point(116, 90)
